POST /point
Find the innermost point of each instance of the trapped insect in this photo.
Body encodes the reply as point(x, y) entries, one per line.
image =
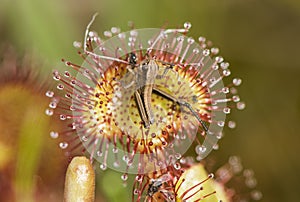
point(155, 186)
point(145, 75)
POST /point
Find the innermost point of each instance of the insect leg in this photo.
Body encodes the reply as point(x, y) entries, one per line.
point(186, 104)
point(147, 102)
point(126, 86)
point(165, 72)
point(141, 109)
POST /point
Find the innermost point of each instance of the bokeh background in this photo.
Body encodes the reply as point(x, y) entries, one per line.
point(260, 39)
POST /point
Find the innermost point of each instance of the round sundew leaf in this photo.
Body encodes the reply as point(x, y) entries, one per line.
point(151, 91)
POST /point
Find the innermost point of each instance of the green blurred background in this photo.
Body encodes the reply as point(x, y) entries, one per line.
point(260, 39)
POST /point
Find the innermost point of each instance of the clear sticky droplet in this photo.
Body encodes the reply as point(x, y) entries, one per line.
point(107, 33)
point(199, 158)
point(125, 158)
point(132, 39)
point(211, 175)
point(177, 155)
point(221, 123)
point(99, 153)
point(68, 95)
point(103, 166)
point(240, 105)
point(190, 40)
point(49, 93)
point(54, 135)
point(214, 102)
point(63, 145)
point(256, 195)
point(129, 162)
point(219, 135)
point(237, 81)
point(102, 49)
point(187, 25)
point(134, 33)
point(201, 39)
point(56, 77)
point(62, 117)
point(60, 86)
point(236, 98)
point(215, 67)
point(224, 65)
point(77, 44)
point(200, 149)
point(49, 112)
point(196, 50)
point(72, 108)
point(130, 44)
point(219, 59)
point(233, 90)
point(122, 35)
point(251, 182)
point(226, 72)
point(212, 80)
point(139, 178)
point(150, 42)
point(67, 74)
point(248, 173)
point(216, 147)
point(124, 177)
point(52, 105)
point(231, 124)
point(180, 38)
point(206, 52)
point(214, 51)
point(225, 90)
point(183, 160)
point(84, 138)
point(115, 30)
point(92, 34)
point(177, 166)
point(226, 110)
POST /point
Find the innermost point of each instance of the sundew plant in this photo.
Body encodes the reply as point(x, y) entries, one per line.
point(139, 101)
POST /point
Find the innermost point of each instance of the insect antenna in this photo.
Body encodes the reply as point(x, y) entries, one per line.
point(87, 31)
